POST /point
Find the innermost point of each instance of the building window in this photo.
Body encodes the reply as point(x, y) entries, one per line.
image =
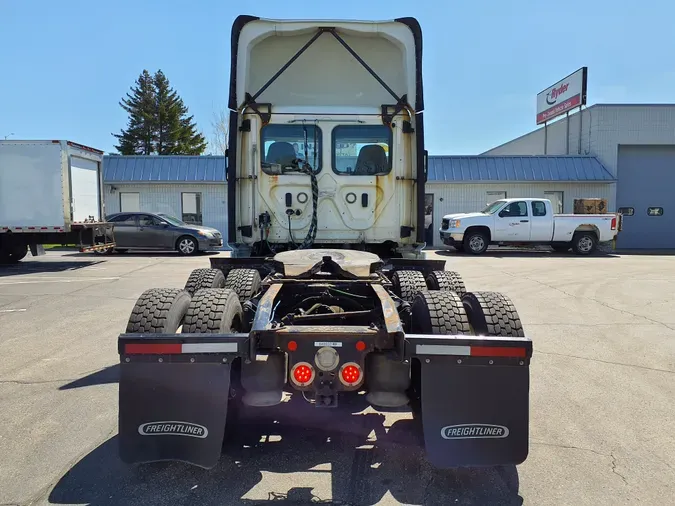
point(557, 201)
point(284, 143)
point(191, 208)
point(626, 211)
point(362, 150)
point(655, 211)
point(130, 202)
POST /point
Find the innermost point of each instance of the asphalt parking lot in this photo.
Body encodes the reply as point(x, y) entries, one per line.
point(602, 396)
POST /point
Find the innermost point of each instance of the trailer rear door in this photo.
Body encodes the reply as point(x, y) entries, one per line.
point(85, 189)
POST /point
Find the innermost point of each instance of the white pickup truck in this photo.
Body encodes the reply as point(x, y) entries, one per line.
point(528, 222)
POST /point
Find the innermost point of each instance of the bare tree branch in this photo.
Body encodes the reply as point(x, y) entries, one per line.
point(219, 132)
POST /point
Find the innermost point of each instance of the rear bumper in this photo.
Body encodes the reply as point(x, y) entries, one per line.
point(452, 238)
point(475, 396)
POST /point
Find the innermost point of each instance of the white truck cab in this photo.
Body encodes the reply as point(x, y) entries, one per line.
point(527, 221)
point(326, 144)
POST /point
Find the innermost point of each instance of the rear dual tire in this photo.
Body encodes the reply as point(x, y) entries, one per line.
point(446, 281)
point(407, 284)
point(159, 311)
point(245, 282)
point(477, 313)
point(204, 278)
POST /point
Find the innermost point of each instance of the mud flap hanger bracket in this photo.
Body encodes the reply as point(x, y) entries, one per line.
point(250, 100)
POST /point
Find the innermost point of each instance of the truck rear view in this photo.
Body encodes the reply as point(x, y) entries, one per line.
point(316, 323)
point(50, 193)
point(326, 140)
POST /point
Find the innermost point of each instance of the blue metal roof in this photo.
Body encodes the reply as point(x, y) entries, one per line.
point(532, 169)
point(118, 169)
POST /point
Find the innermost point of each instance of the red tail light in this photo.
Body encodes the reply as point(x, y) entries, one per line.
point(614, 223)
point(302, 374)
point(351, 374)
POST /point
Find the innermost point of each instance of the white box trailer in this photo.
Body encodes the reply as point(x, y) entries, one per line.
point(50, 193)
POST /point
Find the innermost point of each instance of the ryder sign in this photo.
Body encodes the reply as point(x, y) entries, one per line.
point(564, 95)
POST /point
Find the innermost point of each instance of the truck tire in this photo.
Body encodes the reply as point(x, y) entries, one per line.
point(159, 310)
point(446, 281)
point(584, 243)
point(436, 312)
point(492, 314)
point(407, 284)
point(214, 310)
point(204, 278)
point(187, 245)
point(14, 255)
point(476, 242)
point(245, 282)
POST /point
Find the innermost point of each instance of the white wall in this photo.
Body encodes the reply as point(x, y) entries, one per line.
point(165, 198)
point(467, 197)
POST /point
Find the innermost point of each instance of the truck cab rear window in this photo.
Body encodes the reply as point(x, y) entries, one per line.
point(362, 150)
point(284, 143)
point(538, 208)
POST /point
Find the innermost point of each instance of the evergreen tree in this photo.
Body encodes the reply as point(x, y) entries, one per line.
point(158, 121)
point(139, 136)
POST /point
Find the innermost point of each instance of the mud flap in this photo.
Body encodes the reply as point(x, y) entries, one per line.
point(475, 398)
point(173, 411)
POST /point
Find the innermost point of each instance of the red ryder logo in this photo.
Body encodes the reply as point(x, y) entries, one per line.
point(552, 96)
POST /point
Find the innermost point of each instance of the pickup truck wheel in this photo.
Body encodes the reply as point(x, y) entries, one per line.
point(476, 243)
point(407, 284)
point(446, 281)
point(584, 243)
point(204, 278)
point(212, 311)
point(245, 282)
point(492, 314)
point(159, 310)
point(436, 312)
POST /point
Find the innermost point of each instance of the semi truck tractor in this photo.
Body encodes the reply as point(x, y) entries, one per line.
point(50, 193)
point(325, 294)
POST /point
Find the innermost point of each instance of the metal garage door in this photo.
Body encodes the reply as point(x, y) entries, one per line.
point(646, 177)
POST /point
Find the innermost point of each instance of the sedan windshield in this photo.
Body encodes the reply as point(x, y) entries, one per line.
point(174, 221)
point(492, 208)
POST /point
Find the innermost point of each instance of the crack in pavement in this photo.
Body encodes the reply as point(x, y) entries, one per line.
point(605, 361)
point(614, 459)
point(610, 455)
point(552, 287)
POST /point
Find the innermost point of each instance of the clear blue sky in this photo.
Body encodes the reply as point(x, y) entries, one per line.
point(65, 64)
